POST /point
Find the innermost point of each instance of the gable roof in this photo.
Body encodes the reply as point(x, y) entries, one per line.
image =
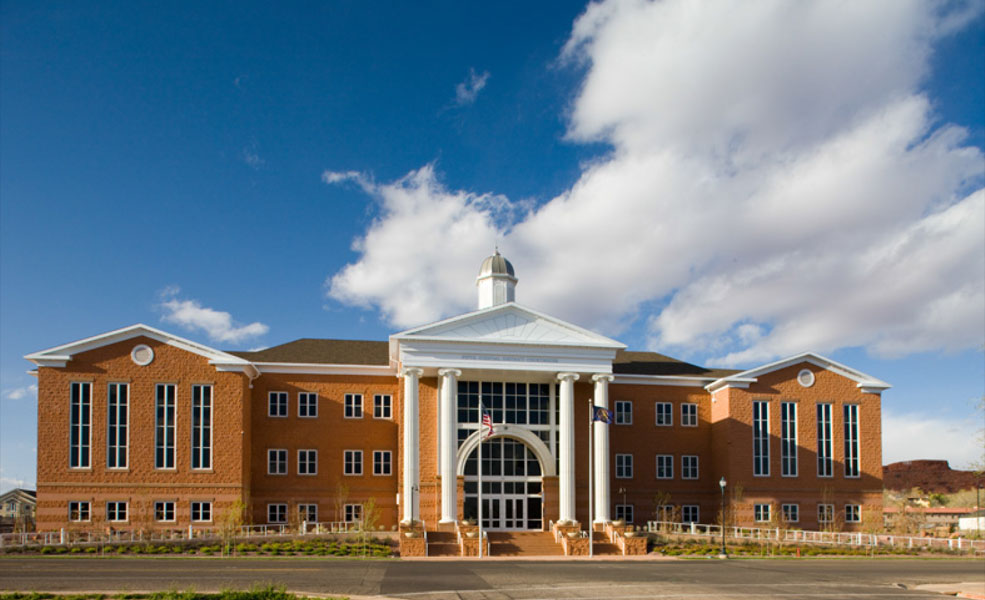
point(60, 355)
point(652, 363)
point(866, 383)
point(322, 351)
point(508, 323)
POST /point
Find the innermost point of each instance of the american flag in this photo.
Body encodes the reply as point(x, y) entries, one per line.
point(487, 423)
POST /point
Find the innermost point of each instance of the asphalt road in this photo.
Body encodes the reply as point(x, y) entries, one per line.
point(507, 580)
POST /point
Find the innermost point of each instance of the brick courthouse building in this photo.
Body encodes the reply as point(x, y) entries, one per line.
point(138, 428)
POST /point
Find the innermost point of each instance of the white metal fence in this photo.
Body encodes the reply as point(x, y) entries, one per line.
point(837, 538)
point(71, 537)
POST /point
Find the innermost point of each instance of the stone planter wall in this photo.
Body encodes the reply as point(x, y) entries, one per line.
point(575, 546)
point(416, 546)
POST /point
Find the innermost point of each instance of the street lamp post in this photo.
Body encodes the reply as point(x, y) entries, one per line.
point(721, 484)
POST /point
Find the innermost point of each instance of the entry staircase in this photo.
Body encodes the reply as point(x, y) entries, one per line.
point(515, 543)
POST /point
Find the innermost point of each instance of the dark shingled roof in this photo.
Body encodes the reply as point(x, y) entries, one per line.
point(650, 363)
point(362, 352)
point(330, 352)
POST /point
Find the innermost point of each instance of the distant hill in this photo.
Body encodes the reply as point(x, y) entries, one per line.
point(932, 476)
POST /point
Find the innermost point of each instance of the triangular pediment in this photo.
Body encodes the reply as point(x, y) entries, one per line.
point(511, 324)
point(60, 355)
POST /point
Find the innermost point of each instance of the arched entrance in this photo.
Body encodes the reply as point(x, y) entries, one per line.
point(512, 486)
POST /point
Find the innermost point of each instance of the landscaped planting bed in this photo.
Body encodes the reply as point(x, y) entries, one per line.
point(308, 546)
point(264, 593)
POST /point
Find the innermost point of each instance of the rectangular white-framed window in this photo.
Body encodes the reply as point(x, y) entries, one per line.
point(665, 413)
point(277, 513)
point(788, 439)
point(853, 513)
point(825, 513)
point(760, 438)
point(353, 513)
point(624, 466)
point(116, 511)
point(164, 425)
point(382, 406)
point(353, 406)
point(382, 462)
point(79, 511)
point(624, 512)
point(277, 404)
point(117, 425)
point(307, 405)
point(201, 512)
point(791, 513)
point(308, 512)
point(761, 513)
point(307, 462)
point(164, 511)
point(689, 466)
point(689, 414)
point(80, 426)
point(665, 466)
point(353, 462)
point(825, 464)
point(201, 427)
point(690, 513)
point(276, 461)
point(851, 440)
point(624, 412)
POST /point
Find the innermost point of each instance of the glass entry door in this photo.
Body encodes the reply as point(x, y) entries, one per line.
point(512, 490)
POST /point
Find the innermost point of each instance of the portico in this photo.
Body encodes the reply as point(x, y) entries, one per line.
point(520, 366)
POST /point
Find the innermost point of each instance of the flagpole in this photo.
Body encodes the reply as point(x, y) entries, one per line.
point(482, 437)
point(591, 490)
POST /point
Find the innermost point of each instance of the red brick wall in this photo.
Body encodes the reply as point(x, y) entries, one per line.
point(331, 435)
point(140, 483)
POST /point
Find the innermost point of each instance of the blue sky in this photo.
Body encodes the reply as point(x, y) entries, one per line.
point(725, 183)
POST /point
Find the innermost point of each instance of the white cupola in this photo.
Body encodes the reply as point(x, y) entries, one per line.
point(496, 281)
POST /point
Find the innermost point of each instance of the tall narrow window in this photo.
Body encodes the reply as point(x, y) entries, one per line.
point(689, 466)
point(665, 466)
point(624, 412)
point(760, 438)
point(164, 426)
point(117, 420)
point(353, 406)
point(824, 465)
point(788, 439)
point(851, 440)
point(201, 426)
point(80, 432)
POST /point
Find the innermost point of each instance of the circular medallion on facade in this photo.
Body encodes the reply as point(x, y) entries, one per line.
point(805, 377)
point(143, 355)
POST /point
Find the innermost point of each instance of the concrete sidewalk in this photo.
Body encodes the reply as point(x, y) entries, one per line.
point(965, 589)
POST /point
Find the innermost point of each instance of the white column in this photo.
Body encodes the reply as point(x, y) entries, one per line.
point(566, 446)
point(411, 491)
point(601, 450)
point(449, 444)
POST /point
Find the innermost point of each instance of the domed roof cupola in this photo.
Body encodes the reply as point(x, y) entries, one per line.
point(496, 281)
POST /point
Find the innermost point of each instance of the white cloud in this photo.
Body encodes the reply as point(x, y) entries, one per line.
point(251, 156)
point(914, 436)
point(467, 91)
point(9, 483)
point(218, 325)
point(28, 391)
point(777, 182)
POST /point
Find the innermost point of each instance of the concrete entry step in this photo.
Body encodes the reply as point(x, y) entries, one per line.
point(523, 543)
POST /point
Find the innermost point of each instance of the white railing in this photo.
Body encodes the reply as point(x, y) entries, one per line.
point(791, 536)
point(71, 537)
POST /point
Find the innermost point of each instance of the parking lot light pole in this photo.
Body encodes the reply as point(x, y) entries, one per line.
point(721, 484)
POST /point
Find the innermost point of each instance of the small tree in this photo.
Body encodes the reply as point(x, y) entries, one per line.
point(369, 523)
point(341, 498)
point(231, 523)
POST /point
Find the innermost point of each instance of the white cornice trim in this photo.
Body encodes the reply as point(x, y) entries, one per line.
point(678, 380)
point(326, 369)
